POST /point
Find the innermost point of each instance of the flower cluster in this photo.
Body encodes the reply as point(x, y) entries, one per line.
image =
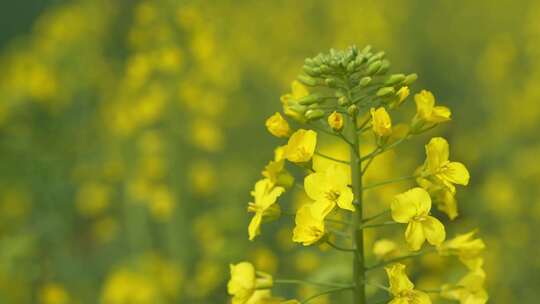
point(348, 95)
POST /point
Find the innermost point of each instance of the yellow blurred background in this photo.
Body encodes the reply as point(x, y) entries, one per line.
point(131, 133)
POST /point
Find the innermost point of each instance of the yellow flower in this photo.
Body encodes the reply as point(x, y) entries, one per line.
point(384, 247)
point(402, 94)
point(382, 124)
point(327, 189)
point(438, 170)
point(244, 283)
point(278, 126)
point(291, 107)
point(275, 170)
point(301, 146)
point(445, 201)
point(402, 288)
point(469, 290)
point(308, 229)
point(412, 207)
point(426, 110)
point(335, 121)
point(466, 247)
point(53, 293)
point(264, 207)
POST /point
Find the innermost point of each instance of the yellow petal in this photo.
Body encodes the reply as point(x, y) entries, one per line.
point(434, 230)
point(457, 173)
point(424, 104)
point(254, 226)
point(315, 185)
point(321, 208)
point(345, 199)
point(301, 146)
point(409, 204)
point(420, 297)
point(440, 114)
point(337, 176)
point(437, 152)
point(398, 280)
point(414, 235)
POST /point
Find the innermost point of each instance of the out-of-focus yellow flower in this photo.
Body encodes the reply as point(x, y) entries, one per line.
point(264, 259)
point(381, 122)
point(445, 201)
point(105, 230)
point(301, 146)
point(244, 283)
point(469, 290)
point(335, 121)
point(466, 247)
point(384, 247)
point(278, 126)
point(125, 286)
point(162, 204)
point(308, 229)
point(203, 177)
point(412, 207)
point(328, 189)
point(92, 198)
point(438, 170)
point(207, 135)
point(53, 293)
point(402, 289)
point(426, 110)
point(264, 207)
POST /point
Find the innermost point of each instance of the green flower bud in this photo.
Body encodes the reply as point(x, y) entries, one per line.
point(365, 81)
point(343, 101)
point(325, 69)
point(314, 114)
point(331, 82)
point(385, 65)
point(410, 79)
point(376, 57)
point(310, 99)
point(373, 67)
point(352, 110)
point(351, 66)
point(366, 49)
point(395, 79)
point(309, 62)
point(386, 91)
point(309, 81)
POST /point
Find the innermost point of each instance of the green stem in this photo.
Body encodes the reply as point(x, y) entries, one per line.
point(322, 293)
point(371, 218)
point(398, 259)
point(391, 181)
point(331, 158)
point(359, 296)
point(378, 225)
point(337, 247)
point(303, 282)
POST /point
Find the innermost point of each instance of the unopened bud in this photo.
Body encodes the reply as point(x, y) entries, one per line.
point(386, 91)
point(410, 79)
point(352, 110)
point(343, 101)
point(310, 99)
point(365, 81)
point(307, 80)
point(385, 65)
point(335, 121)
point(395, 79)
point(314, 114)
point(373, 67)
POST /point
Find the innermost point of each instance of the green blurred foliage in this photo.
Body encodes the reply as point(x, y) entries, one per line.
point(132, 131)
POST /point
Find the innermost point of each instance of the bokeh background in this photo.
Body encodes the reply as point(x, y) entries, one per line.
point(131, 133)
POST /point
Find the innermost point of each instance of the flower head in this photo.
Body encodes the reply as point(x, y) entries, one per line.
point(438, 171)
point(426, 110)
point(469, 290)
point(412, 208)
point(335, 121)
point(301, 146)
point(382, 124)
point(275, 170)
point(278, 126)
point(328, 189)
point(244, 283)
point(308, 229)
point(466, 247)
point(402, 288)
point(264, 207)
point(402, 94)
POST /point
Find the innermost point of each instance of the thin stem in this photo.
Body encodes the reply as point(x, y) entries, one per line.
point(346, 140)
point(380, 150)
point(322, 293)
point(391, 181)
point(331, 158)
point(305, 282)
point(367, 165)
point(340, 233)
point(337, 247)
point(321, 129)
point(368, 219)
point(395, 260)
point(378, 225)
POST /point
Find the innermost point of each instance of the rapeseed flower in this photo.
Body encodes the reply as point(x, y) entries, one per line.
point(308, 229)
point(301, 146)
point(244, 284)
point(264, 207)
point(278, 126)
point(402, 289)
point(381, 121)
